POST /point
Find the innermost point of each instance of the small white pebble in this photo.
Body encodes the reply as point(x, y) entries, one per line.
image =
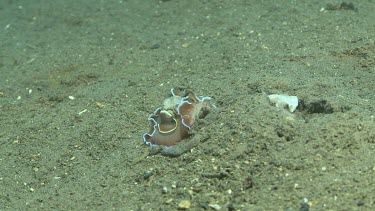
point(215, 206)
point(305, 200)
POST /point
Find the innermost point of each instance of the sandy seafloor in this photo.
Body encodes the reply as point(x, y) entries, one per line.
point(78, 80)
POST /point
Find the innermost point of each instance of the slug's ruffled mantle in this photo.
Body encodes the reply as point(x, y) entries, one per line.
point(173, 122)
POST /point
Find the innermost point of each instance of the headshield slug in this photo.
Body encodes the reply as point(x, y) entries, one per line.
point(172, 122)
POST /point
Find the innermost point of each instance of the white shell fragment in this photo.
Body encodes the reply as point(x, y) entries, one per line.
point(284, 101)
